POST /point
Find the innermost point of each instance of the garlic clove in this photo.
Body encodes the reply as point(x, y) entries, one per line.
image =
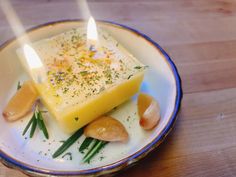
point(107, 129)
point(149, 111)
point(21, 103)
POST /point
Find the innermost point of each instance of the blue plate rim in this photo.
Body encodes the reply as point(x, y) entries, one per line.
point(11, 162)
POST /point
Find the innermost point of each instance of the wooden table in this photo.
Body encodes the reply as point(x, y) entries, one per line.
point(200, 36)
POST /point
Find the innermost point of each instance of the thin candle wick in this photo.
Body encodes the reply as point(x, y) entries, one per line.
point(92, 48)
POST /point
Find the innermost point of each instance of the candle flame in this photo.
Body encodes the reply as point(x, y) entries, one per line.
point(32, 57)
point(35, 65)
point(92, 34)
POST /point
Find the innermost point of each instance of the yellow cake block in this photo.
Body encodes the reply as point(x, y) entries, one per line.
point(84, 84)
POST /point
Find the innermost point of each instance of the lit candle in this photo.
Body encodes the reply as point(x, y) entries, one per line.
point(92, 35)
point(81, 84)
point(35, 66)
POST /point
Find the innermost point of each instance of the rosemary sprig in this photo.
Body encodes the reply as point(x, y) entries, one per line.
point(85, 144)
point(68, 143)
point(41, 124)
point(94, 150)
point(33, 127)
point(28, 125)
point(95, 142)
point(37, 119)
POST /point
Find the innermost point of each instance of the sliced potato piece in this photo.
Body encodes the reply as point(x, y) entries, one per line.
point(107, 129)
point(149, 111)
point(21, 103)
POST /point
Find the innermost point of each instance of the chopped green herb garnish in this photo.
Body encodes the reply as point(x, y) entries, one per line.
point(83, 73)
point(65, 89)
point(108, 82)
point(137, 67)
point(68, 154)
point(18, 85)
point(43, 111)
point(68, 143)
point(69, 69)
point(104, 37)
point(101, 158)
point(130, 76)
point(102, 89)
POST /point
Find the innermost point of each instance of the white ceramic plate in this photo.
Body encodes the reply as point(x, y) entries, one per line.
point(34, 156)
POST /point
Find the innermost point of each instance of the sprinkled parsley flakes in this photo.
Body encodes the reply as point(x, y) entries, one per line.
point(84, 73)
point(130, 76)
point(69, 154)
point(137, 67)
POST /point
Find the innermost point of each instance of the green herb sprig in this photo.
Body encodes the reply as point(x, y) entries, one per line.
point(28, 125)
point(71, 140)
point(33, 127)
point(97, 146)
point(87, 141)
point(93, 145)
point(37, 119)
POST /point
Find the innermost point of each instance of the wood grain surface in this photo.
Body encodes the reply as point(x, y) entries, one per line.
point(200, 36)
